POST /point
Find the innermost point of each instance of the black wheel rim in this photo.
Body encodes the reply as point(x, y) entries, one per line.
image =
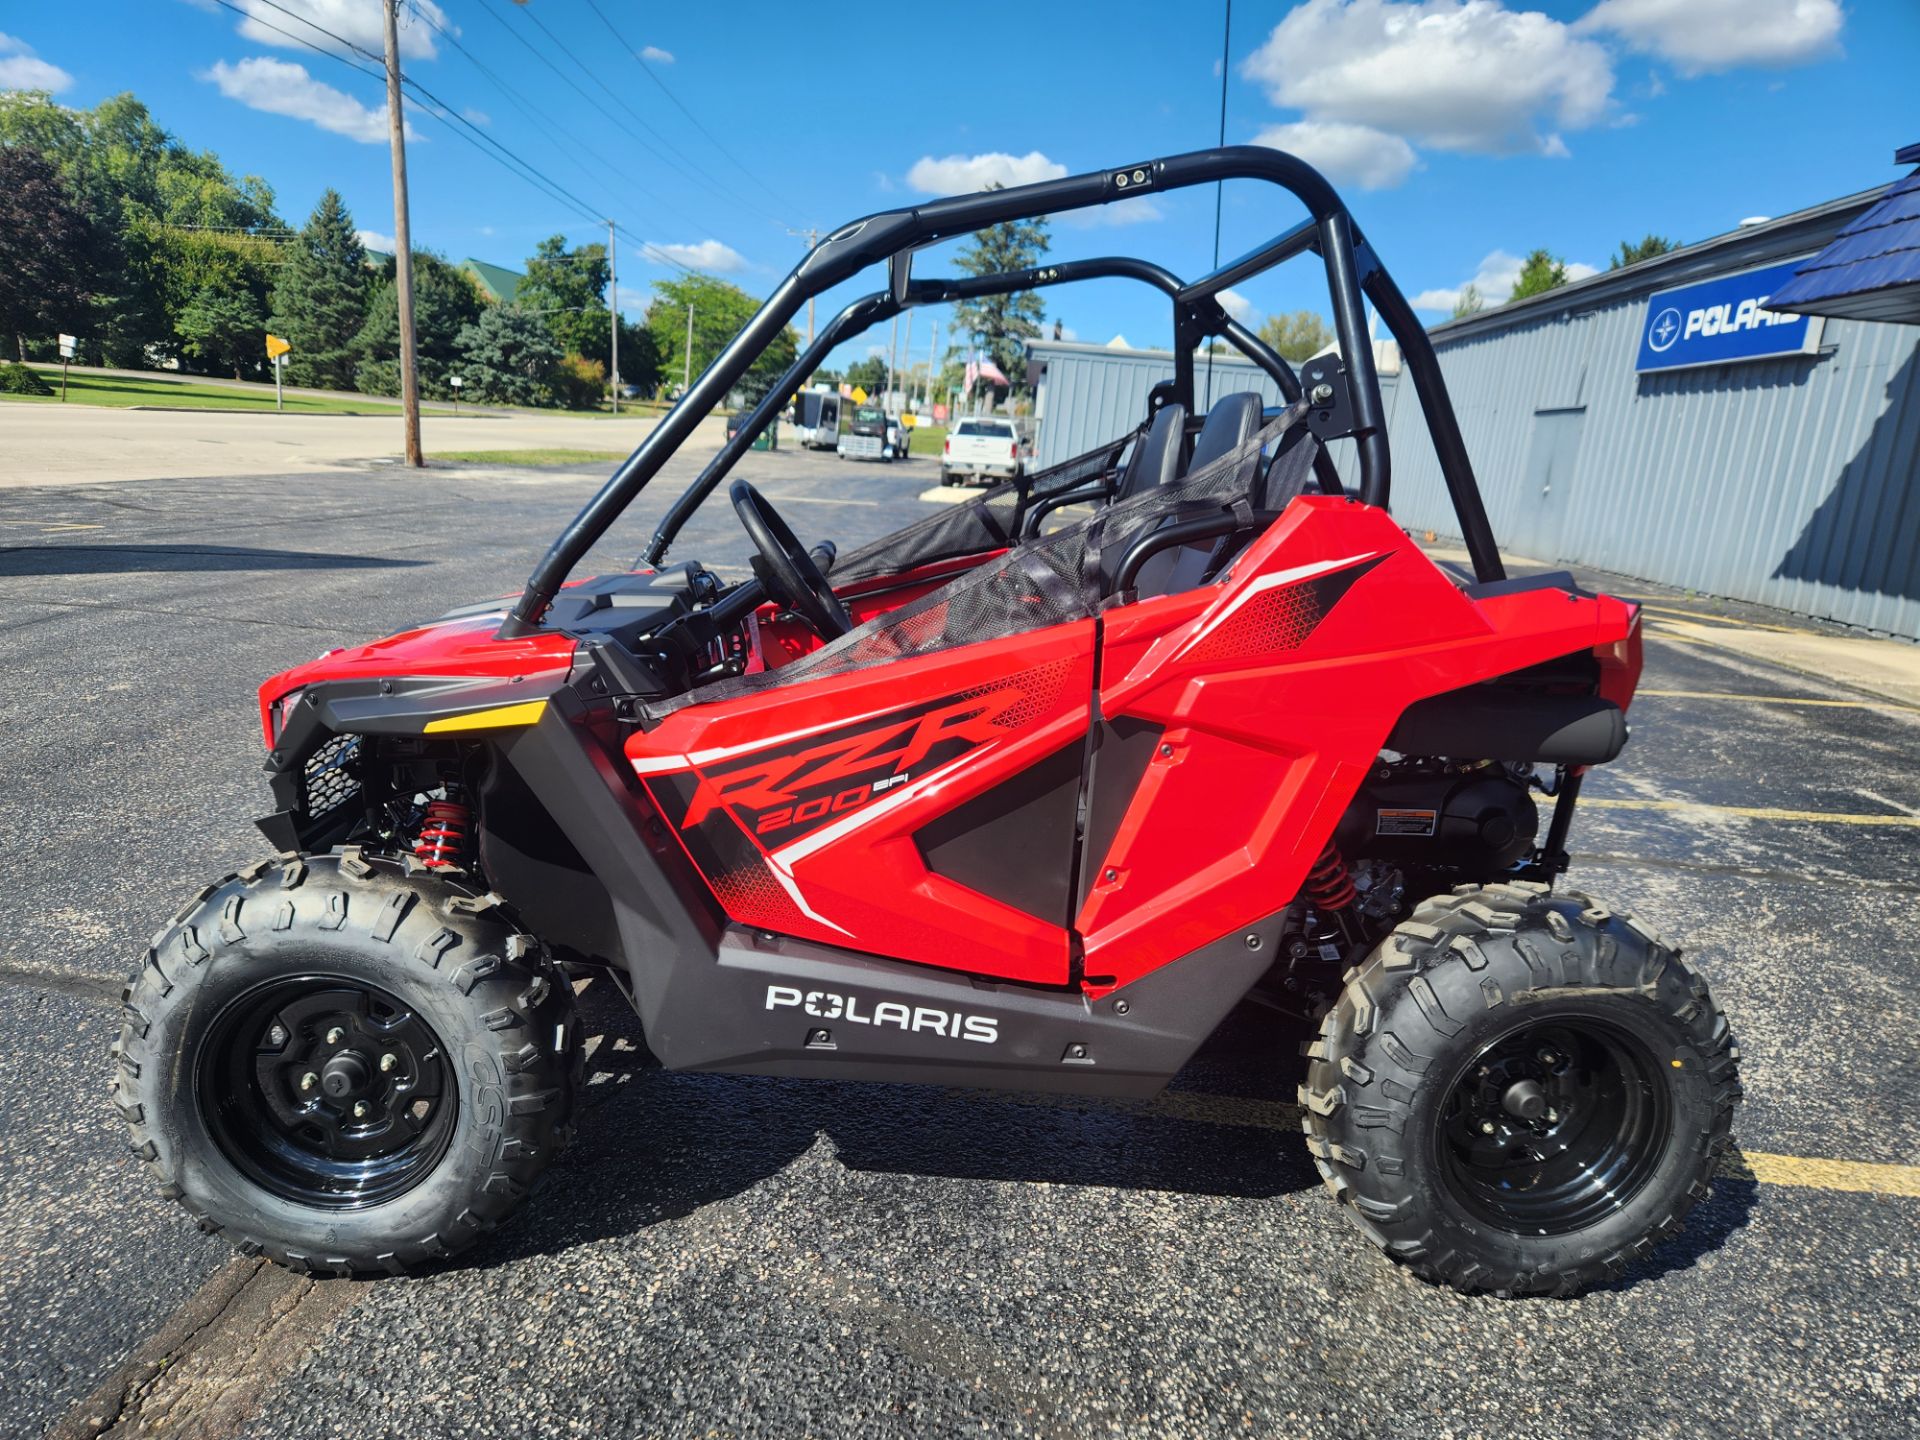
point(1554, 1126)
point(326, 1091)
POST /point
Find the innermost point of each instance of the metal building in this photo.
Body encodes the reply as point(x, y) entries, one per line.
point(1657, 421)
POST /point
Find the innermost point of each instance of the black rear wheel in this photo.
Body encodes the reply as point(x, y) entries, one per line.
point(1520, 1092)
point(347, 1062)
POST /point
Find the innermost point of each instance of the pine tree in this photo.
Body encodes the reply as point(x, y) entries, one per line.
point(507, 357)
point(444, 302)
point(1539, 273)
point(1632, 253)
point(221, 326)
point(1001, 325)
point(320, 302)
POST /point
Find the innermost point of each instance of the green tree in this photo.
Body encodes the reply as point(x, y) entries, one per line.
point(1296, 337)
point(1539, 273)
point(869, 374)
point(1470, 301)
point(223, 326)
point(42, 231)
point(444, 303)
point(507, 357)
point(1001, 325)
point(1633, 252)
point(639, 357)
point(720, 311)
point(568, 290)
point(321, 300)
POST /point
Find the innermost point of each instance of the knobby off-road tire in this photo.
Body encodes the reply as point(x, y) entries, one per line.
point(1475, 994)
point(480, 997)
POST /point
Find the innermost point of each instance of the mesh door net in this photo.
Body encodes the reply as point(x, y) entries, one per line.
point(1049, 580)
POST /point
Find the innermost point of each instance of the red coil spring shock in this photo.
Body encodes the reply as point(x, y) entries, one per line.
point(443, 834)
point(1330, 884)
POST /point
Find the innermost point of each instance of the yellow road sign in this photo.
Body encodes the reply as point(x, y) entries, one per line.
point(859, 396)
point(276, 347)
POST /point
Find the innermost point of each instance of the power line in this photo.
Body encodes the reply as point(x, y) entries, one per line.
point(640, 60)
point(516, 166)
point(640, 120)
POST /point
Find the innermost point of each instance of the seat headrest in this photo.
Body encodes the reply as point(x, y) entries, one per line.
point(1156, 459)
point(1233, 420)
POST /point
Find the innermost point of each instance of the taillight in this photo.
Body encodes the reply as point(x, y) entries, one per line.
point(946, 447)
point(1013, 451)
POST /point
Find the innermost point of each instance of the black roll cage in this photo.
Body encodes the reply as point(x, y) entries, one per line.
point(1345, 397)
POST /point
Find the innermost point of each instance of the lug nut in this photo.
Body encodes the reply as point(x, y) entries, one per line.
point(1547, 1057)
point(1552, 1116)
point(387, 1062)
point(359, 1109)
point(309, 1080)
point(276, 1036)
point(1486, 1127)
point(336, 1035)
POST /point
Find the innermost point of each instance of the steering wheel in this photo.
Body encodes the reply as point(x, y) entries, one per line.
point(786, 569)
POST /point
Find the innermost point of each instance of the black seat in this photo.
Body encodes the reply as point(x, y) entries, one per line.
point(1156, 459)
point(1233, 421)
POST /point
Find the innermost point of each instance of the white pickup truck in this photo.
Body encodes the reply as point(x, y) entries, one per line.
point(980, 448)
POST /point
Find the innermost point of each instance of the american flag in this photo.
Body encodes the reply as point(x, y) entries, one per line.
point(990, 371)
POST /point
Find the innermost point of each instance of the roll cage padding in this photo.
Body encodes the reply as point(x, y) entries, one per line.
point(1354, 275)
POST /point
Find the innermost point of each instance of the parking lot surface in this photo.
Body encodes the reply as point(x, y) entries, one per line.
point(738, 1256)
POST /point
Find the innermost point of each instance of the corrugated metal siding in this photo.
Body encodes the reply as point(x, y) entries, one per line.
point(1093, 395)
point(1792, 482)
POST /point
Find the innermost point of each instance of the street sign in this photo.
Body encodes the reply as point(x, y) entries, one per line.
point(909, 421)
point(859, 396)
point(276, 347)
point(69, 345)
point(456, 381)
point(1720, 321)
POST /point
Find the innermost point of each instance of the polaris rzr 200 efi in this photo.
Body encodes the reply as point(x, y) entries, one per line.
point(1028, 795)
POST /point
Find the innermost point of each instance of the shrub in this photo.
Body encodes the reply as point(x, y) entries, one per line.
point(578, 383)
point(17, 379)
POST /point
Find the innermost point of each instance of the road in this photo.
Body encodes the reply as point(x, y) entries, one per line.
point(731, 1256)
point(82, 444)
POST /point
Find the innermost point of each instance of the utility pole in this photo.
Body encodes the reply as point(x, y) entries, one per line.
point(812, 237)
point(686, 368)
point(613, 305)
point(933, 354)
point(906, 349)
point(402, 240)
point(893, 353)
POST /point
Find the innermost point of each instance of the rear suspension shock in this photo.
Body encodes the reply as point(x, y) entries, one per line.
point(444, 832)
point(1330, 884)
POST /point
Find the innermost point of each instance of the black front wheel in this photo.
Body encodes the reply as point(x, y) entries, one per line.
point(1520, 1092)
point(346, 1062)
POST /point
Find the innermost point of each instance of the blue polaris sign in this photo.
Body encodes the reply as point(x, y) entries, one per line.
point(1719, 321)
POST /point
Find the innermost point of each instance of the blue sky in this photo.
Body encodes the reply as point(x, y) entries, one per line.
point(1463, 132)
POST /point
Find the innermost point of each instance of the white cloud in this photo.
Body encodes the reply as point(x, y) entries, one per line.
point(1348, 154)
point(709, 255)
point(477, 116)
point(1494, 280)
point(1465, 75)
point(486, 230)
point(281, 88)
point(656, 54)
point(1702, 35)
point(1238, 306)
point(374, 240)
point(21, 69)
point(963, 174)
point(357, 22)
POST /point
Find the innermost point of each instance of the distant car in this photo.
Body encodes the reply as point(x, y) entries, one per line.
point(980, 448)
point(870, 435)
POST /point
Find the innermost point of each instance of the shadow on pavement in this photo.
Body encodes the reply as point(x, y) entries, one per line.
point(138, 559)
point(655, 1146)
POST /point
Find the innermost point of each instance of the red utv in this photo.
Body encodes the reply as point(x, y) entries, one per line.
point(1028, 795)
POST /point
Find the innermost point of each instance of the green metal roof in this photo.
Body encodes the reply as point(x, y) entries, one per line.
point(495, 281)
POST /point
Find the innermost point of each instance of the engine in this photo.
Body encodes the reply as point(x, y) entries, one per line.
point(1474, 817)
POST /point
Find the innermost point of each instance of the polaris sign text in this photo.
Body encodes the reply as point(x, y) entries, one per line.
point(1717, 322)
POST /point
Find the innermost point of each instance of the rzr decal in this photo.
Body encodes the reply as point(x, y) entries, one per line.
point(1277, 612)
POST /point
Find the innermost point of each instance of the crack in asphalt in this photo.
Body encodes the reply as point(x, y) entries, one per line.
point(100, 989)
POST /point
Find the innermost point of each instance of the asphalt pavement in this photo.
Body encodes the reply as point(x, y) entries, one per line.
point(755, 1257)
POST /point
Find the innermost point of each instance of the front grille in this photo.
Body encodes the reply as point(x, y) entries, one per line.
point(332, 776)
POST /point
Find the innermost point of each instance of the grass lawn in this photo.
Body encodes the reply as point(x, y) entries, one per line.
point(527, 457)
point(173, 394)
point(927, 440)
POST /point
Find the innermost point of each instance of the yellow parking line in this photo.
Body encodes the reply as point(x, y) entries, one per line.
point(1801, 1171)
point(1733, 622)
point(1772, 699)
point(1757, 812)
point(1812, 1174)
